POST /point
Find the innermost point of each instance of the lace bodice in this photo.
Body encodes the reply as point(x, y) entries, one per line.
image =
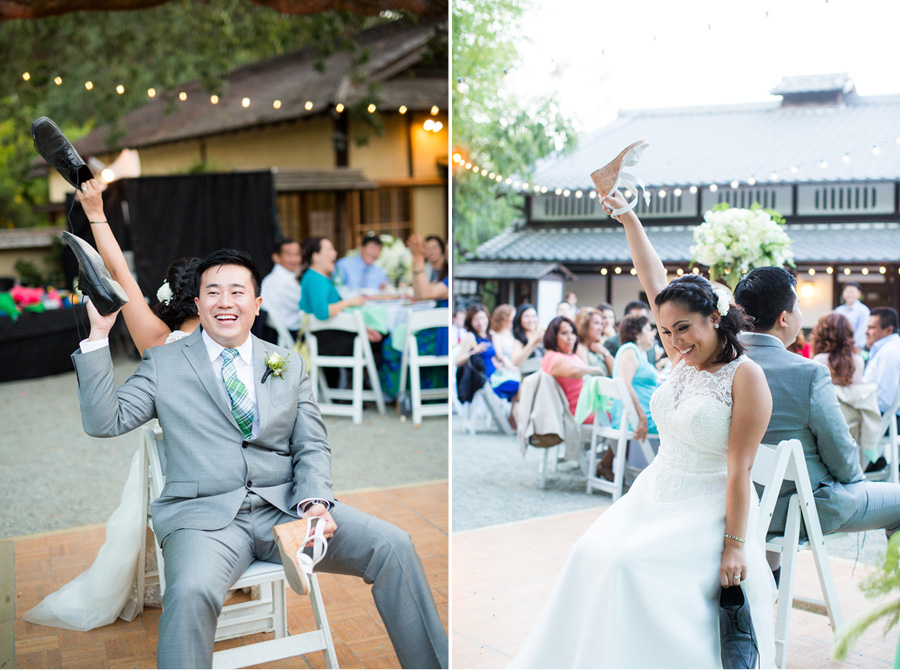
point(175, 335)
point(692, 410)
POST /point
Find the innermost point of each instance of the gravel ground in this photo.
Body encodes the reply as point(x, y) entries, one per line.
point(493, 484)
point(55, 477)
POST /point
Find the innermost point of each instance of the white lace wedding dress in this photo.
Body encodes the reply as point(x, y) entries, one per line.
point(108, 589)
point(640, 588)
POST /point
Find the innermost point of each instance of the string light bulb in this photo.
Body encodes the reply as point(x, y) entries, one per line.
point(89, 85)
point(735, 183)
point(812, 272)
point(876, 150)
point(27, 75)
point(214, 99)
point(245, 103)
point(679, 272)
point(882, 270)
point(151, 92)
point(865, 271)
point(276, 104)
point(308, 106)
point(713, 188)
point(604, 271)
point(677, 192)
point(829, 270)
point(846, 271)
point(752, 181)
point(339, 107)
point(457, 157)
point(437, 127)
point(402, 109)
point(429, 124)
point(846, 158)
point(120, 89)
point(57, 80)
point(183, 96)
point(434, 110)
point(633, 271)
point(618, 270)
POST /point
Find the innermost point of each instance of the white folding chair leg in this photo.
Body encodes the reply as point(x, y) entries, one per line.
point(786, 588)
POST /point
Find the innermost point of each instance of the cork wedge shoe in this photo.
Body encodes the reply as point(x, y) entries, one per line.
point(611, 176)
point(291, 538)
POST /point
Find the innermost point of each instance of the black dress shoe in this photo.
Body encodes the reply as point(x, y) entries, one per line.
point(739, 648)
point(94, 279)
point(54, 148)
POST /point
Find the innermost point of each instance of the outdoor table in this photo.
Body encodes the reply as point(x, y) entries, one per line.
point(38, 344)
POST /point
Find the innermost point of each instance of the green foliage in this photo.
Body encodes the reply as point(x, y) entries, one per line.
point(160, 47)
point(492, 127)
point(884, 582)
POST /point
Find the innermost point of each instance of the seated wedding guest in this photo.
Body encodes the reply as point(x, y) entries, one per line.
point(562, 363)
point(833, 345)
point(637, 336)
point(506, 377)
point(590, 340)
point(608, 315)
point(477, 342)
point(800, 346)
point(634, 308)
point(458, 326)
point(209, 539)
point(281, 287)
point(361, 272)
point(572, 298)
point(855, 311)
point(320, 298)
point(565, 309)
point(529, 336)
point(883, 366)
point(423, 287)
point(436, 258)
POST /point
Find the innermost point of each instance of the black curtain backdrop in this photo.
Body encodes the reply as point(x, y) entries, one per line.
point(165, 218)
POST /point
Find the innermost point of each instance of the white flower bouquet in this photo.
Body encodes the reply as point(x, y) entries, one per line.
point(395, 259)
point(733, 241)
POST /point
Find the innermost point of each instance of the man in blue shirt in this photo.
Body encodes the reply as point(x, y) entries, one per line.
point(360, 272)
point(856, 312)
point(883, 367)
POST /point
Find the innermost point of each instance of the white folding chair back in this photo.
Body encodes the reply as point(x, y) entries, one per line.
point(360, 360)
point(772, 466)
point(413, 362)
point(616, 437)
point(285, 339)
point(892, 440)
point(530, 366)
point(267, 613)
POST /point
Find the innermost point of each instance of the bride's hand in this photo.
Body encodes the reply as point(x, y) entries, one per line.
point(613, 201)
point(734, 563)
point(640, 433)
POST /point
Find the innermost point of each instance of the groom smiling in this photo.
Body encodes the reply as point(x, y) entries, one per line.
point(244, 455)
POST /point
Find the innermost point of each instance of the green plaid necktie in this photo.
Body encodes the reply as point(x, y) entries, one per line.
point(241, 407)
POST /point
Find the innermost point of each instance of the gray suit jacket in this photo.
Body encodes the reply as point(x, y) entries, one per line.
point(209, 466)
point(804, 406)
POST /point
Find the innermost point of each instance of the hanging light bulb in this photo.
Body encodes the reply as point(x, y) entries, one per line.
point(457, 157)
point(151, 92)
point(846, 271)
point(214, 99)
point(27, 75)
point(679, 272)
point(618, 270)
point(846, 158)
point(829, 270)
point(183, 96)
point(434, 110)
point(57, 80)
point(437, 127)
point(876, 150)
point(713, 188)
point(696, 271)
point(558, 191)
point(693, 190)
point(812, 272)
point(662, 193)
point(402, 109)
point(120, 89)
point(483, 172)
point(567, 193)
point(677, 192)
point(752, 181)
point(462, 86)
point(882, 270)
point(592, 195)
point(245, 102)
point(371, 108)
point(865, 271)
point(735, 183)
point(604, 271)
point(633, 271)
point(774, 176)
point(276, 104)
point(339, 107)
point(89, 85)
point(823, 164)
point(308, 105)
point(793, 170)
point(429, 124)
point(578, 194)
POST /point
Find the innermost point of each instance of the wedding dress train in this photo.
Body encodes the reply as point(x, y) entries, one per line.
point(640, 588)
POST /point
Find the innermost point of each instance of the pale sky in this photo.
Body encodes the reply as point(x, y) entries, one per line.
point(598, 56)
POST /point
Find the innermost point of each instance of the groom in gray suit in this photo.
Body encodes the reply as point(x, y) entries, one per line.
point(245, 451)
point(805, 407)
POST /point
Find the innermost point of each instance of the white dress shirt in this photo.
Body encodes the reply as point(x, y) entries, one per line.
point(281, 294)
point(883, 369)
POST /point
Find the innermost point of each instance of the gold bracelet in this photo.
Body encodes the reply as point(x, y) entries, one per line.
point(735, 538)
point(93, 222)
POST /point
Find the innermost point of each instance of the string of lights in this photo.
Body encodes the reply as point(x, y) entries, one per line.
point(430, 124)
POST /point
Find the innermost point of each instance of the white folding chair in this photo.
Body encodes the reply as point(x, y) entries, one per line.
point(360, 360)
point(891, 441)
point(616, 437)
point(772, 466)
point(412, 362)
point(285, 339)
point(267, 613)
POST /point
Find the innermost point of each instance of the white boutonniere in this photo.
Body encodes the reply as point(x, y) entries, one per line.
point(275, 366)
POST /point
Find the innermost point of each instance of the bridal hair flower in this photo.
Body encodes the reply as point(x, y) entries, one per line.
point(724, 299)
point(164, 293)
point(275, 366)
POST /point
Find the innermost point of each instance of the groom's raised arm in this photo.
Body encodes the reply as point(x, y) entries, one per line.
point(310, 449)
point(105, 410)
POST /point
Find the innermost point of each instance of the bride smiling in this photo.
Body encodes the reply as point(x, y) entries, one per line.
point(640, 588)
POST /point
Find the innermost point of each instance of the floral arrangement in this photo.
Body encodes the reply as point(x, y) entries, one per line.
point(733, 241)
point(395, 259)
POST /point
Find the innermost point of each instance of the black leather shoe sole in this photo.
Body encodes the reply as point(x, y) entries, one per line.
point(94, 279)
point(55, 148)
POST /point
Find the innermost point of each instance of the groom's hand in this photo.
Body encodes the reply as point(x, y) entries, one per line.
point(100, 325)
point(330, 525)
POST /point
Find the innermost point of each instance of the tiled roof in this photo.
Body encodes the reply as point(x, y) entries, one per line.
point(815, 83)
point(396, 49)
point(501, 270)
point(718, 144)
point(28, 238)
point(844, 242)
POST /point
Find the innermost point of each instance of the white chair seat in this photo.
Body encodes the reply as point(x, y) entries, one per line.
point(262, 614)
